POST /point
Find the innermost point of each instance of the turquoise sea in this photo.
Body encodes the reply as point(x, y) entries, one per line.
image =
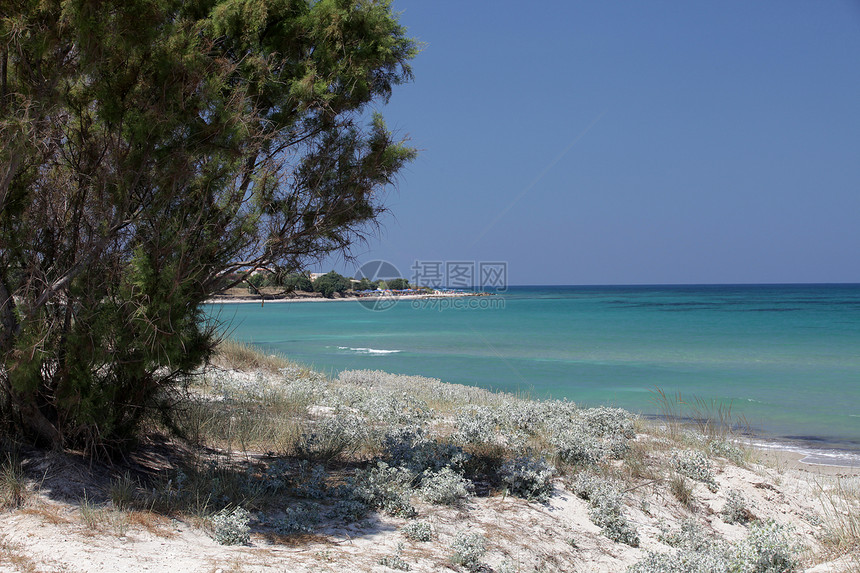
point(785, 357)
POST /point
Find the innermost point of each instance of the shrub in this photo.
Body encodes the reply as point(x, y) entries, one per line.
point(606, 513)
point(606, 508)
point(387, 488)
point(735, 510)
point(609, 422)
point(476, 425)
point(310, 481)
point(394, 562)
point(347, 510)
point(522, 416)
point(418, 531)
point(575, 445)
point(528, 477)
point(766, 549)
point(445, 487)
point(411, 448)
point(299, 519)
point(341, 434)
point(694, 465)
point(726, 449)
point(393, 409)
point(683, 561)
point(468, 548)
point(690, 535)
point(230, 527)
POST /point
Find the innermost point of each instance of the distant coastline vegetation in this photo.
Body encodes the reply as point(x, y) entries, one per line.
point(327, 285)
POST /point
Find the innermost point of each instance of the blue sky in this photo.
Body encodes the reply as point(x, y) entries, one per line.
point(630, 142)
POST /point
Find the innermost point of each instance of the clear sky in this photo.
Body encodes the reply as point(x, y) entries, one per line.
point(631, 142)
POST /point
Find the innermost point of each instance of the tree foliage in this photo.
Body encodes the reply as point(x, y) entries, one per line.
point(332, 282)
point(296, 282)
point(152, 148)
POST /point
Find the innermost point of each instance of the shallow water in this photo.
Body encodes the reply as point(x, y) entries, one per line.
point(785, 358)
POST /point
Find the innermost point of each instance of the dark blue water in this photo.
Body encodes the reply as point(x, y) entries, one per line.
point(785, 357)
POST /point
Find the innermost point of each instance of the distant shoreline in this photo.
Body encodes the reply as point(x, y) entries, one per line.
point(306, 297)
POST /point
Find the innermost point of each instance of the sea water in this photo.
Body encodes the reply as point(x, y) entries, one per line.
point(782, 359)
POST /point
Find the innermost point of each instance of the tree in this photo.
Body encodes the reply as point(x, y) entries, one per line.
point(153, 148)
point(256, 281)
point(398, 284)
point(298, 282)
point(330, 283)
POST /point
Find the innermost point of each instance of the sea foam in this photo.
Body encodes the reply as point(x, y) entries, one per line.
point(367, 350)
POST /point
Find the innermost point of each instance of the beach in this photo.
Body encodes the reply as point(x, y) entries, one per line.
point(71, 520)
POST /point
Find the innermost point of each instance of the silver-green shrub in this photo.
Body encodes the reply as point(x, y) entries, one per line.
point(575, 445)
point(697, 552)
point(394, 408)
point(298, 519)
point(394, 562)
point(310, 481)
point(768, 548)
point(585, 437)
point(521, 416)
point(606, 508)
point(467, 550)
point(683, 561)
point(529, 477)
point(735, 509)
point(418, 531)
point(445, 487)
point(385, 487)
point(609, 422)
point(231, 526)
point(726, 449)
point(411, 448)
point(690, 535)
point(347, 510)
point(341, 434)
point(476, 425)
point(694, 465)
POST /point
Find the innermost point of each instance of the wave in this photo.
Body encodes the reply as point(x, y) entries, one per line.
point(812, 455)
point(367, 350)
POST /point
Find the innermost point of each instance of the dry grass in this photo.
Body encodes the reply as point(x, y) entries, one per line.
point(682, 491)
point(47, 512)
point(153, 523)
point(712, 419)
point(13, 554)
point(13, 483)
point(840, 499)
point(243, 356)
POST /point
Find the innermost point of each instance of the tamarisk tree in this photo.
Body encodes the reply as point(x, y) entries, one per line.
point(150, 150)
